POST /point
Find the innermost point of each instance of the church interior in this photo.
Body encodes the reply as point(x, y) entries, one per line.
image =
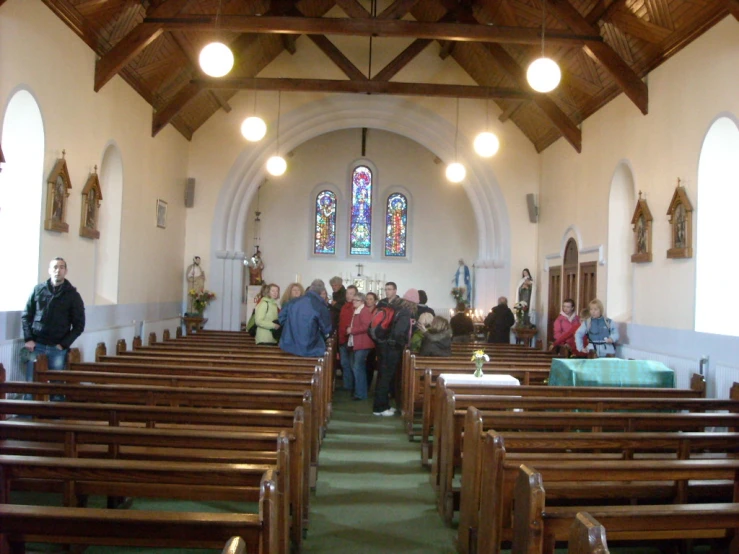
point(620, 183)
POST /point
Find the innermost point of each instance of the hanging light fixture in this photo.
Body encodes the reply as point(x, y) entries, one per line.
point(486, 143)
point(277, 165)
point(254, 128)
point(216, 59)
point(455, 171)
point(543, 74)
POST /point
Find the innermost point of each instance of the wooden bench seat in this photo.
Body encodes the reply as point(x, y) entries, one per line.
point(451, 429)
point(537, 527)
point(434, 398)
point(172, 480)
point(485, 454)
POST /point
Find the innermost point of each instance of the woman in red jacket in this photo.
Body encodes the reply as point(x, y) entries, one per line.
point(566, 325)
point(360, 344)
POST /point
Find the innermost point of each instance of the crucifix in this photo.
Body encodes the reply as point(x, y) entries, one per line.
point(360, 267)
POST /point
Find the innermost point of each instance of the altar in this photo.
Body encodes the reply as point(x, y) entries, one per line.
point(610, 372)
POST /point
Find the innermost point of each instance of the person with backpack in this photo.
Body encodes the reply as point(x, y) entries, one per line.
point(602, 334)
point(390, 329)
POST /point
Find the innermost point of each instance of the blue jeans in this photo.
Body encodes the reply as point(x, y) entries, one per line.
point(346, 367)
point(359, 372)
point(57, 360)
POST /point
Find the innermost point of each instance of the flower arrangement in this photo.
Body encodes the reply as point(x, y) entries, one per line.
point(200, 300)
point(520, 309)
point(479, 357)
point(460, 295)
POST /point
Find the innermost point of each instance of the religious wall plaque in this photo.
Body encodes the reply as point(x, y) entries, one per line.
point(680, 213)
point(92, 194)
point(642, 222)
point(57, 192)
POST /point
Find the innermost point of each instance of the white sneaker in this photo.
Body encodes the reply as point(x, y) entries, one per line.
point(387, 413)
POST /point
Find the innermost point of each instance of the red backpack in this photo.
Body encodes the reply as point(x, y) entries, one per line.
point(382, 323)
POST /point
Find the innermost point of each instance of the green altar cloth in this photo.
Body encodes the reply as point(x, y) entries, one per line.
point(610, 372)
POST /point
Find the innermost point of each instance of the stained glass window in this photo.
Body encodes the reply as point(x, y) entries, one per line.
point(360, 225)
point(396, 222)
point(325, 231)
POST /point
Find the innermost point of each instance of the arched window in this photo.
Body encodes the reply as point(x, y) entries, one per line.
point(21, 189)
point(396, 225)
point(325, 227)
point(716, 304)
point(360, 224)
point(620, 288)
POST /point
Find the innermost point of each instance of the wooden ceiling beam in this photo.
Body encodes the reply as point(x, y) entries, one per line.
point(352, 8)
point(510, 111)
point(603, 10)
point(627, 79)
point(402, 59)
point(364, 87)
point(336, 56)
point(463, 32)
point(639, 28)
point(397, 9)
point(289, 43)
point(507, 63)
point(194, 62)
point(133, 43)
point(183, 97)
point(447, 47)
point(734, 8)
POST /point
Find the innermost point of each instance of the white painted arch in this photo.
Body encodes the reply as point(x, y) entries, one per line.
point(392, 114)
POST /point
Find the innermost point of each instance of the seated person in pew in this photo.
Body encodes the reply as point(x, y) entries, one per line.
point(438, 338)
point(462, 327)
point(306, 323)
point(424, 320)
point(601, 332)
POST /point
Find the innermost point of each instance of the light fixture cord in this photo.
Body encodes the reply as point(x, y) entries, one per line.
point(218, 14)
point(279, 102)
point(456, 132)
point(543, 24)
point(373, 13)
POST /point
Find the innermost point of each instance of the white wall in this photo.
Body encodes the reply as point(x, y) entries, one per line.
point(441, 222)
point(686, 94)
point(40, 53)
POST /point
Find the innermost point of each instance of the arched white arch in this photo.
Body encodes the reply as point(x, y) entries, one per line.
point(107, 248)
point(620, 281)
point(334, 113)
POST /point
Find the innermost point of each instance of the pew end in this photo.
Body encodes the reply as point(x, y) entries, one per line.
point(587, 536)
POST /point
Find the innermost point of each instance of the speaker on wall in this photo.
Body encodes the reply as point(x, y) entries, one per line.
point(190, 192)
point(533, 208)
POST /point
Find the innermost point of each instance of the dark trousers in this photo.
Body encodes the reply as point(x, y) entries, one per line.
point(389, 358)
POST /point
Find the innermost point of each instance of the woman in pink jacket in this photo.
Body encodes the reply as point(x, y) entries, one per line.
point(360, 345)
point(566, 325)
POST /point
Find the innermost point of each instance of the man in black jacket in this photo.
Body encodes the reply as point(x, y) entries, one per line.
point(54, 317)
point(499, 321)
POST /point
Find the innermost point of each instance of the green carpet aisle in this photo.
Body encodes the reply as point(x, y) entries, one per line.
point(373, 495)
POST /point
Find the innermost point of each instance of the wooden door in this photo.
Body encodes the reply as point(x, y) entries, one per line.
point(570, 271)
point(588, 283)
point(555, 298)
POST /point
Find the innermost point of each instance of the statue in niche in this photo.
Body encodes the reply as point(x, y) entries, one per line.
point(680, 224)
point(641, 236)
point(462, 283)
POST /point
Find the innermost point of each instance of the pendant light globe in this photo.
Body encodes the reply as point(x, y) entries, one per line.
point(486, 144)
point(456, 172)
point(253, 128)
point(543, 74)
point(216, 59)
point(276, 166)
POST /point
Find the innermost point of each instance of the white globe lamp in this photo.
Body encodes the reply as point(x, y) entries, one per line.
point(216, 59)
point(276, 166)
point(253, 128)
point(543, 75)
point(455, 172)
point(486, 144)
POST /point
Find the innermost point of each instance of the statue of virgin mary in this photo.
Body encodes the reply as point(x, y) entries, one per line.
point(462, 280)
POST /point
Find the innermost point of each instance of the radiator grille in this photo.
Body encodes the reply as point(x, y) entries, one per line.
point(683, 367)
point(724, 377)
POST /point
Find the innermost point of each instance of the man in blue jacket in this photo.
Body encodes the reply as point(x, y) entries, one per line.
point(306, 323)
point(54, 317)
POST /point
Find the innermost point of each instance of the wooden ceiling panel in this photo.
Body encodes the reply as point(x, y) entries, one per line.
point(642, 33)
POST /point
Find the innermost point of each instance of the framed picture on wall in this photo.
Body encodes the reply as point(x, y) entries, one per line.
point(642, 223)
point(161, 214)
point(680, 213)
point(57, 192)
point(91, 197)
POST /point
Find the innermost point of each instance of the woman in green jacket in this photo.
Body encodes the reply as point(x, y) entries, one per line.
point(265, 316)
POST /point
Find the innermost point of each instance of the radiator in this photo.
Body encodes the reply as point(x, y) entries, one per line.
point(10, 358)
point(683, 367)
point(723, 377)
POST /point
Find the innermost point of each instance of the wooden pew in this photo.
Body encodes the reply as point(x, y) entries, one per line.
point(587, 536)
point(435, 397)
point(605, 415)
point(74, 525)
point(485, 454)
point(537, 528)
point(203, 445)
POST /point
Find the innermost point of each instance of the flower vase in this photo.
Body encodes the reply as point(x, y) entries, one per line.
point(478, 368)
